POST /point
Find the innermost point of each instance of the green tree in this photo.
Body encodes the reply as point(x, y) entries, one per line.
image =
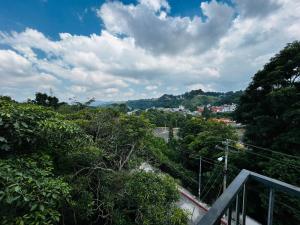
point(150, 199)
point(271, 103)
point(206, 113)
point(19, 126)
point(81, 168)
point(45, 100)
point(270, 109)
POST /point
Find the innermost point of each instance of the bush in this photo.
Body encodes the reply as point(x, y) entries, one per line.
point(149, 199)
point(19, 126)
point(25, 128)
point(30, 194)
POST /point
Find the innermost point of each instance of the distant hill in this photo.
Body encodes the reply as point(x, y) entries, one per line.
point(189, 100)
point(102, 103)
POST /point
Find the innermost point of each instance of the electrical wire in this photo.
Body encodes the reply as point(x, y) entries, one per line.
point(266, 149)
point(270, 158)
point(212, 163)
point(211, 160)
point(211, 186)
point(206, 185)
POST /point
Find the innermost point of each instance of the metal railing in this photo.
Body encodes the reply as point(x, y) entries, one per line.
point(224, 204)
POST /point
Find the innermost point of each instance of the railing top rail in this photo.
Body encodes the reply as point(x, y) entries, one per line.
point(217, 210)
point(276, 184)
point(223, 202)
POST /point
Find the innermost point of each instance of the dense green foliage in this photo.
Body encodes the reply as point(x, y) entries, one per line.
point(137, 198)
point(199, 137)
point(162, 119)
point(19, 126)
point(270, 107)
point(46, 100)
point(80, 167)
point(30, 193)
point(271, 103)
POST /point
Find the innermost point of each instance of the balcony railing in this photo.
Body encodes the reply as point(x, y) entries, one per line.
point(225, 204)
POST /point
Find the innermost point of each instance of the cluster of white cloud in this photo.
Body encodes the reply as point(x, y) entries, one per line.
point(143, 51)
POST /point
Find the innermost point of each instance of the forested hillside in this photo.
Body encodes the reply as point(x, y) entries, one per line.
point(69, 164)
point(190, 100)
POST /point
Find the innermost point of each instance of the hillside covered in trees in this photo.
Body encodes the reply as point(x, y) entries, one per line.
point(189, 100)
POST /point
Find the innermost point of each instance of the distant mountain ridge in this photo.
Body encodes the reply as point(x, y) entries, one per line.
point(190, 100)
point(102, 103)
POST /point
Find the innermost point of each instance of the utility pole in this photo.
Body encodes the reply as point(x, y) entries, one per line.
point(200, 177)
point(225, 166)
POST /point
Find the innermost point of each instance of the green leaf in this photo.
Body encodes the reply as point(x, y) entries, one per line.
point(24, 125)
point(16, 125)
point(5, 147)
point(33, 207)
point(17, 188)
point(42, 208)
point(2, 139)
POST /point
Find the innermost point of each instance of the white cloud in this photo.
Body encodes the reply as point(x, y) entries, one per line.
point(111, 90)
point(11, 62)
point(163, 34)
point(16, 71)
point(257, 8)
point(143, 48)
point(156, 5)
point(151, 87)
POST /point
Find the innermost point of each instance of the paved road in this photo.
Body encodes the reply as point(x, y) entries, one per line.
point(189, 203)
point(197, 209)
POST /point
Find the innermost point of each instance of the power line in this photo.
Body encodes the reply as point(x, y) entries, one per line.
point(208, 182)
point(264, 156)
point(212, 163)
point(266, 149)
point(211, 186)
point(268, 157)
point(206, 185)
point(211, 160)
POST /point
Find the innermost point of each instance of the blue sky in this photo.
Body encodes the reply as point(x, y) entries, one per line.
point(119, 50)
point(50, 17)
point(72, 16)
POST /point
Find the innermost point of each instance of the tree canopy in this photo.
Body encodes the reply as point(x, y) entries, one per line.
point(80, 167)
point(270, 109)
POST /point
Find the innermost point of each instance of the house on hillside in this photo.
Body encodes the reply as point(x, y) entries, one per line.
point(216, 109)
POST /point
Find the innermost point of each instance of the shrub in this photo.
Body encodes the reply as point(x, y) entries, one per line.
point(30, 194)
point(19, 126)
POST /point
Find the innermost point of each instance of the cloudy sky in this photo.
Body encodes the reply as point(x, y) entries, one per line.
point(119, 50)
